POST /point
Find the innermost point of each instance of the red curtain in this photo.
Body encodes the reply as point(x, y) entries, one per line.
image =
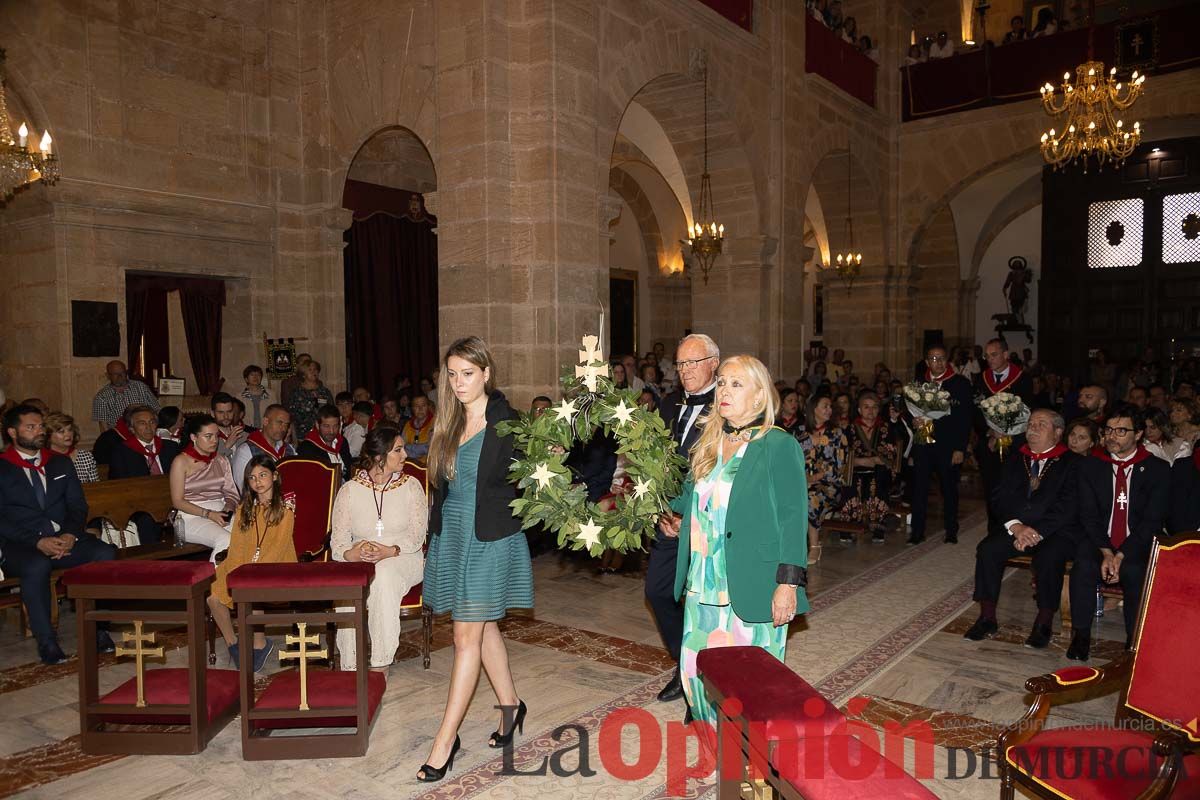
point(146, 315)
point(391, 299)
point(838, 61)
point(201, 300)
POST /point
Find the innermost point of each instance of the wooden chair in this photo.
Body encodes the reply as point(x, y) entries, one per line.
point(315, 484)
point(301, 699)
point(413, 605)
point(1153, 748)
point(200, 699)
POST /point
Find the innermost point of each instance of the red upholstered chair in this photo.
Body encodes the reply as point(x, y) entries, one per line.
point(314, 483)
point(413, 604)
point(201, 699)
point(1152, 749)
point(299, 699)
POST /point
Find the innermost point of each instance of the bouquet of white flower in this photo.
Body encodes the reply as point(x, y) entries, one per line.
point(1007, 415)
point(926, 402)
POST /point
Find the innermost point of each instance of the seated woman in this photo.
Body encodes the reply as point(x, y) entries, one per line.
point(826, 450)
point(1160, 437)
point(746, 476)
point(1083, 436)
point(62, 434)
point(381, 516)
point(262, 534)
point(789, 411)
point(874, 459)
point(202, 488)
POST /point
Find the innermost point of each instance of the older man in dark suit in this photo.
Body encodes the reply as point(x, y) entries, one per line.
point(696, 362)
point(42, 516)
point(143, 452)
point(1124, 500)
point(945, 455)
point(1036, 501)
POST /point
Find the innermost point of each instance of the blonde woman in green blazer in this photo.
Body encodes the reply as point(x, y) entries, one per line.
point(744, 517)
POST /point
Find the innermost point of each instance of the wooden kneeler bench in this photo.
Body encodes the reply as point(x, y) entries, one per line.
point(301, 699)
point(201, 699)
point(769, 722)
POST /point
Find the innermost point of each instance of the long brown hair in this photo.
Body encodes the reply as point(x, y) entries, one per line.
point(452, 418)
point(250, 499)
point(704, 451)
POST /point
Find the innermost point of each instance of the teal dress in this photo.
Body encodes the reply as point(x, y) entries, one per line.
point(475, 581)
point(708, 616)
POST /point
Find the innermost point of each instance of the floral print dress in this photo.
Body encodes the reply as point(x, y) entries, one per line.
point(826, 451)
point(708, 617)
point(870, 504)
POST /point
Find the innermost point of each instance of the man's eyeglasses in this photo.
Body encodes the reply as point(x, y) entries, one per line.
point(691, 364)
point(1118, 431)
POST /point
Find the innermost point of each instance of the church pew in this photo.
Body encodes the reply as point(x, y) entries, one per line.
point(116, 500)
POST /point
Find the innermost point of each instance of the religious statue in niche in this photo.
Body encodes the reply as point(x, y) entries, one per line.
point(417, 212)
point(1016, 287)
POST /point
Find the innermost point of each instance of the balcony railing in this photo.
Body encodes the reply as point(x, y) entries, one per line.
point(839, 62)
point(994, 75)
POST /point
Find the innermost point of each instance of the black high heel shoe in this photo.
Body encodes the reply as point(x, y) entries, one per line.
point(498, 739)
point(430, 774)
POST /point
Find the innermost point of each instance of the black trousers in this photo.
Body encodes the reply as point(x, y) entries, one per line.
point(34, 567)
point(1085, 577)
point(660, 592)
point(928, 459)
point(1050, 557)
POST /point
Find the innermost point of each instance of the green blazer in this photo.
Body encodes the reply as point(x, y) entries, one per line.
point(766, 527)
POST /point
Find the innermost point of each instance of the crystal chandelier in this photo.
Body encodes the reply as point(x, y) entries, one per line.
point(849, 264)
point(20, 163)
point(706, 234)
point(1092, 106)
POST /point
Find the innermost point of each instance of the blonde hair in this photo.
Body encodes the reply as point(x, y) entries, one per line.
point(448, 424)
point(704, 452)
point(59, 421)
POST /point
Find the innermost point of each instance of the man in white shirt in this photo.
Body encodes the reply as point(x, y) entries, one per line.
point(942, 46)
point(271, 440)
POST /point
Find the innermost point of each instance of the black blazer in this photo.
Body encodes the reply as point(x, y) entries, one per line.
point(953, 431)
point(106, 443)
point(23, 521)
point(1185, 497)
point(668, 409)
point(1148, 504)
point(494, 493)
point(124, 463)
point(1052, 510)
point(308, 450)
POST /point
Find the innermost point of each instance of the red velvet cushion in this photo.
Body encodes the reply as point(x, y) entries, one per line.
point(302, 575)
point(1069, 675)
point(326, 689)
point(169, 686)
point(414, 598)
point(138, 573)
point(840, 767)
point(1166, 674)
point(1070, 762)
point(769, 692)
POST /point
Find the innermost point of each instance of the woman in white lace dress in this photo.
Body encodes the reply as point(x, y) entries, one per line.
point(381, 516)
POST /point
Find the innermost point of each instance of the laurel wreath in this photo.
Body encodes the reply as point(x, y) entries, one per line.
point(553, 497)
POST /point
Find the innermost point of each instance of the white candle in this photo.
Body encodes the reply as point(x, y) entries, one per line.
point(23, 133)
point(46, 141)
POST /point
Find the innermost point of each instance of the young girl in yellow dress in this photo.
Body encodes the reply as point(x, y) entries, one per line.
point(262, 533)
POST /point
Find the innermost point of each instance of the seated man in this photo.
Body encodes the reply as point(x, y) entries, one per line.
point(271, 440)
point(229, 433)
point(1036, 500)
point(419, 429)
point(144, 452)
point(326, 443)
point(42, 524)
point(360, 424)
point(1123, 504)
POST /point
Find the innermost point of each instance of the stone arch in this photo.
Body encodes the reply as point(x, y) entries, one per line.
point(397, 157)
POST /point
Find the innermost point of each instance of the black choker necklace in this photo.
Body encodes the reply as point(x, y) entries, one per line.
point(730, 430)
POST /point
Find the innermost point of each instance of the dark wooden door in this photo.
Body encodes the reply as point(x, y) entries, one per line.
point(622, 326)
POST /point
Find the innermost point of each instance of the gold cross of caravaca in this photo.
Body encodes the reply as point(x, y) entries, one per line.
point(303, 654)
point(139, 654)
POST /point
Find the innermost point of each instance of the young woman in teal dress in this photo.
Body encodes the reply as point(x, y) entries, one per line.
point(478, 565)
point(745, 517)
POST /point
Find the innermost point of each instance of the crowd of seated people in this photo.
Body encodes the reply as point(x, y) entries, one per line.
point(939, 46)
point(830, 14)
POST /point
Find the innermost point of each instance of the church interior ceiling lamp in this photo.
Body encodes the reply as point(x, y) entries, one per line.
point(706, 235)
point(848, 265)
point(20, 162)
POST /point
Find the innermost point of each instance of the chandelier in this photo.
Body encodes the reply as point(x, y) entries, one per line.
point(21, 164)
point(706, 234)
point(848, 265)
point(1092, 106)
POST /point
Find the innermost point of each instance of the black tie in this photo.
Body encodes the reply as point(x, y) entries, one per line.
point(702, 399)
point(39, 491)
point(997, 375)
point(1035, 467)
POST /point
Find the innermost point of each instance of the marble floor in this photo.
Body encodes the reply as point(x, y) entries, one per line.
point(883, 641)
